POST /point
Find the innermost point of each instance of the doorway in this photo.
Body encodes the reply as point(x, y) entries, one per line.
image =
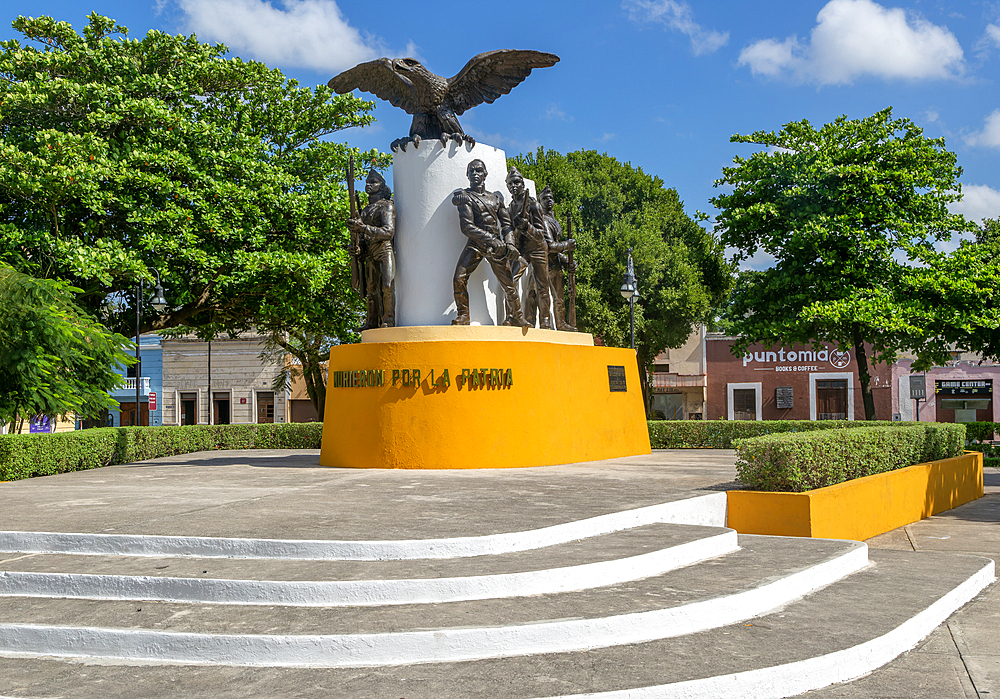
point(265, 407)
point(127, 415)
point(220, 408)
point(831, 399)
point(744, 404)
point(189, 408)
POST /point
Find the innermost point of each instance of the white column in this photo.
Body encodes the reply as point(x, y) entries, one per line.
point(428, 239)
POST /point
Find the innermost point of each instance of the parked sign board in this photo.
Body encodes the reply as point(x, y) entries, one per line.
point(918, 388)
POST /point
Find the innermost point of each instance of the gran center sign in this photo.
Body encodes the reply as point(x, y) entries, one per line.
point(798, 359)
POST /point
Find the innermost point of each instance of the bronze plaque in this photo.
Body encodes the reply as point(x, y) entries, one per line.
point(616, 379)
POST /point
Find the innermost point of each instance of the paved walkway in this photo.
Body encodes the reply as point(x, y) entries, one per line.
point(285, 494)
point(962, 657)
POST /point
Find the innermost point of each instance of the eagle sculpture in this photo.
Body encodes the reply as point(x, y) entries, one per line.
point(436, 102)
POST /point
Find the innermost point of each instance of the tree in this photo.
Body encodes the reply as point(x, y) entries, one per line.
point(120, 156)
point(683, 276)
point(838, 207)
point(952, 300)
point(54, 359)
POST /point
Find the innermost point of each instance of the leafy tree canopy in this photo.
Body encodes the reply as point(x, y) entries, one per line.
point(848, 211)
point(54, 358)
point(121, 155)
point(682, 274)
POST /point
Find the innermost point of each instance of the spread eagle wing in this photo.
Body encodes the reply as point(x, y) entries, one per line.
point(378, 78)
point(491, 74)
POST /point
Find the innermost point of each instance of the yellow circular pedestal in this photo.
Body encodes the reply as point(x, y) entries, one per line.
point(480, 397)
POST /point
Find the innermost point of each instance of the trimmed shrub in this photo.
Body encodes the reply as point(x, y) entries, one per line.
point(988, 461)
point(28, 455)
point(798, 462)
point(981, 431)
point(719, 434)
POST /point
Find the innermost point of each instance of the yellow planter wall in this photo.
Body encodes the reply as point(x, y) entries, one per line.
point(556, 409)
point(862, 508)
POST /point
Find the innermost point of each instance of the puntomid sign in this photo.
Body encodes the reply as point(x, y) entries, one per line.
point(800, 359)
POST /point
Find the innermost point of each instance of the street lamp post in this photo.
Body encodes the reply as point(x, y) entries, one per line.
point(159, 303)
point(630, 292)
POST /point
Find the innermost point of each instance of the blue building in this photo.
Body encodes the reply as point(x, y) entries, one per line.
point(150, 378)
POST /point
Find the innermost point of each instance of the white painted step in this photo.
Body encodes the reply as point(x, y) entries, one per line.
point(836, 634)
point(605, 560)
point(766, 573)
point(707, 510)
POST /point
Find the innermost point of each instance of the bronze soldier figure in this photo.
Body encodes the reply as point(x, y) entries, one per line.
point(558, 261)
point(375, 229)
point(484, 219)
point(529, 230)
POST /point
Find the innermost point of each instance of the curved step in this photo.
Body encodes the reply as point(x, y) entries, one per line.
point(384, 592)
point(567, 634)
point(703, 509)
point(792, 679)
point(834, 635)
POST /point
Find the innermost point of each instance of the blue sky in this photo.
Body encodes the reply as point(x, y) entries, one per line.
point(662, 84)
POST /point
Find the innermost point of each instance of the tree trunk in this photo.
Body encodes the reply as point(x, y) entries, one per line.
point(312, 373)
point(864, 375)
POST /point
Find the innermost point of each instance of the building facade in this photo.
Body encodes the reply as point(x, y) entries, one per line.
point(220, 383)
point(790, 382)
point(962, 391)
point(149, 375)
point(679, 381)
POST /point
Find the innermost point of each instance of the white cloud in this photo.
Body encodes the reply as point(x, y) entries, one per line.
point(856, 38)
point(555, 112)
point(993, 33)
point(302, 33)
point(979, 201)
point(990, 135)
point(677, 16)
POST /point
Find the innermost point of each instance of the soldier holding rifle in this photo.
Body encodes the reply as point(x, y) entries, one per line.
point(373, 260)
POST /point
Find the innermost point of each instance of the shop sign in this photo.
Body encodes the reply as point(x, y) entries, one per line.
point(40, 425)
point(970, 387)
point(152, 401)
point(798, 360)
point(918, 388)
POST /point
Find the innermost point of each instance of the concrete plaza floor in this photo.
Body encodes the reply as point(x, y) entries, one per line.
point(961, 658)
point(286, 495)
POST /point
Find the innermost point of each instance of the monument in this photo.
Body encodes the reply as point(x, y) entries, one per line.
point(455, 377)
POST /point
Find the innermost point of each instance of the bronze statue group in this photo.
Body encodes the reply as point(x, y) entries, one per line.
point(523, 240)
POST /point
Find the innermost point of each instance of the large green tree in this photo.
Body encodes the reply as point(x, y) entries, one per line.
point(119, 156)
point(54, 358)
point(952, 300)
point(848, 211)
point(682, 274)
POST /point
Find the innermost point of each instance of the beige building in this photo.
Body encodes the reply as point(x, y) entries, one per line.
point(237, 391)
point(680, 379)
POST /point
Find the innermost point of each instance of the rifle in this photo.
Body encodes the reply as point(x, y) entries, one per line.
point(357, 281)
point(572, 274)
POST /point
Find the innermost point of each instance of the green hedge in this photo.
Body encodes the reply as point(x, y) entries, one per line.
point(27, 455)
point(981, 431)
point(799, 462)
point(719, 434)
point(995, 463)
